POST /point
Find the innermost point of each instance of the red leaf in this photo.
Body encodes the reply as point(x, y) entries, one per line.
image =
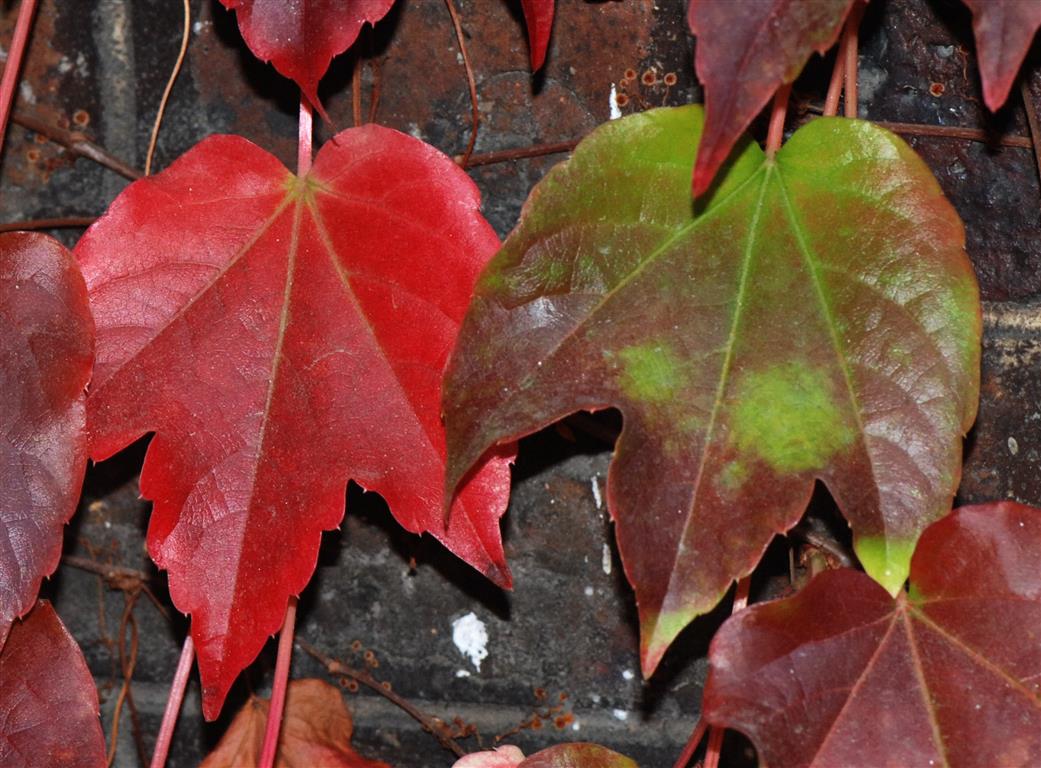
point(1004, 30)
point(577, 755)
point(950, 674)
point(281, 335)
point(46, 352)
point(300, 38)
point(538, 15)
point(48, 703)
point(316, 731)
point(745, 50)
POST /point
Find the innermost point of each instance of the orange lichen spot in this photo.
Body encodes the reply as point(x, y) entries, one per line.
point(81, 118)
point(936, 89)
point(650, 77)
point(563, 721)
point(40, 138)
point(540, 694)
point(630, 74)
point(352, 686)
point(356, 646)
point(669, 79)
point(33, 155)
point(562, 697)
point(621, 99)
point(385, 685)
point(536, 723)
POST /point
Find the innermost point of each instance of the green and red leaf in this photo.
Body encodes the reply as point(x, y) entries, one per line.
point(949, 674)
point(282, 335)
point(48, 702)
point(300, 38)
point(816, 318)
point(745, 50)
point(1004, 30)
point(46, 353)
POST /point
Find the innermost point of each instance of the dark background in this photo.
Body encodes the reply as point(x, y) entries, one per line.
point(569, 627)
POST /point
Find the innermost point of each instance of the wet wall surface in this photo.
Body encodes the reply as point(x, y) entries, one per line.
point(569, 626)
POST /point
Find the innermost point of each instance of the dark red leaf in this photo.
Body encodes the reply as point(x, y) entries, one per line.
point(577, 755)
point(538, 15)
point(48, 703)
point(301, 37)
point(281, 335)
point(1004, 30)
point(46, 352)
point(949, 674)
point(745, 50)
point(316, 732)
point(816, 319)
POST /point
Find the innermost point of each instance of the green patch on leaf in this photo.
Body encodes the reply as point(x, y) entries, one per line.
point(651, 373)
point(887, 561)
point(788, 416)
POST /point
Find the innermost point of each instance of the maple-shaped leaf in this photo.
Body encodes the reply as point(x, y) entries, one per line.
point(48, 702)
point(745, 50)
point(815, 318)
point(281, 335)
point(538, 16)
point(948, 674)
point(46, 352)
point(301, 37)
point(1004, 30)
point(578, 755)
point(316, 731)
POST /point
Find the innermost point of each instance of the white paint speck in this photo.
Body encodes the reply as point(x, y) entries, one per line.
point(588, 591)
point(575, 726)
point(620, 714)
point(471, 638)
point(462, 673)
point(594, 483)
point(627, 674)
point(26, 92)
point(197, 27)
point(612, 103)
point(605, 559)
point(1013, 446)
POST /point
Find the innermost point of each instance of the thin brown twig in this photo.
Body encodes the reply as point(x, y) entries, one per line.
point(169, 87)
point(77, 143)
point(377, 84)
point(475, 112)
point(954, 132)
point(520, 153)
point(118, 577)
point(69, 222)
point(1034, 123)
point(356, 90)
point(127, 664)
point(838, 74)
point(340, 670)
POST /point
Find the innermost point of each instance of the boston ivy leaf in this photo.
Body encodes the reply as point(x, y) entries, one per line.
point(48, 702)
point(316, 731)
point(300, 38)
point(538, 15)
point(745, 50)
point(579, 755)
point(1004, 30)
point(949, 674)
point(46, 352)
point(817, 319)
point(281, 335)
